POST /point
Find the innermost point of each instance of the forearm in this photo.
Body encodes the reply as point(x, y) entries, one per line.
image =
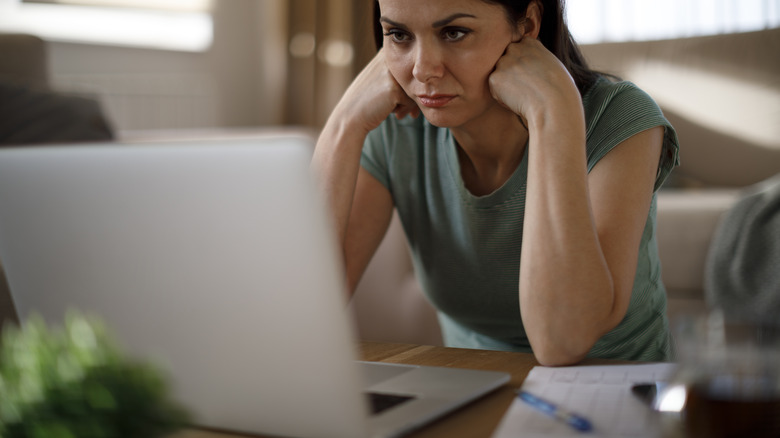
point(336, 162)
point(566, 290)
point(371, 97)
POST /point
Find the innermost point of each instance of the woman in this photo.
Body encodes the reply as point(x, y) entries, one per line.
point(521, 153)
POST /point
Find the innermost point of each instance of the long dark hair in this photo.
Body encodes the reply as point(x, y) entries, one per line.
point(554, 35)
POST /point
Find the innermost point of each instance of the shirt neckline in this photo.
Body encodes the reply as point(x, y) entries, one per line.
point(501, 195)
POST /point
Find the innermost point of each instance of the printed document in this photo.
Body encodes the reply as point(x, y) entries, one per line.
point(602, 394)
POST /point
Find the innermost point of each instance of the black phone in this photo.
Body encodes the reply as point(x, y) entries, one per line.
point(647, 391)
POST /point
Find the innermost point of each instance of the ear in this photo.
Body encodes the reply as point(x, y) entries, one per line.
point(533, 20)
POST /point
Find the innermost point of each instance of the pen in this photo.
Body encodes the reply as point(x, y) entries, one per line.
point(546, 407)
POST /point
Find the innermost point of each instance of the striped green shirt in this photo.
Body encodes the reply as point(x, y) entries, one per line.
point(466, 248)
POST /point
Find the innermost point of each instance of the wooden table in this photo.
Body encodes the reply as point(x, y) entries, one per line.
point(476, 420)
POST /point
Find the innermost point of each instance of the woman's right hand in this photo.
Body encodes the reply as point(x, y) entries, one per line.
point(374, 95)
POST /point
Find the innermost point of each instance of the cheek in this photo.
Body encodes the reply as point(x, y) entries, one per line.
point(474, 71)
point(475, 66)
point(401, 70)
point(399, 66)
point(488, 59)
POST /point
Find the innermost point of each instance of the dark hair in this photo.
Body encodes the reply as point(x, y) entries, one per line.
point(553, 34)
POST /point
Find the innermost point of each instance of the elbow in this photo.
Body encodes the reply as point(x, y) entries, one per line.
point(564, 349)
point(554, 348)
point(552, 356)
point(564, 341)
point(566, 338)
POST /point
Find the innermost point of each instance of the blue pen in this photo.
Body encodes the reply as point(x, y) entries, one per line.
point(573, 420)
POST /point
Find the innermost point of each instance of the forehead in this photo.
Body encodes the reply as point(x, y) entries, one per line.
point(422, 11)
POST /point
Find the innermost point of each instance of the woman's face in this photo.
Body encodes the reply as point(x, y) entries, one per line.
point(442, 52)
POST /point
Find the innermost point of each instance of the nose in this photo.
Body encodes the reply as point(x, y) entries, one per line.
point(428, 62)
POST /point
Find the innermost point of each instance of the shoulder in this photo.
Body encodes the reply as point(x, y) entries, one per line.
point(605, 90)
point(618, 108)
point(619, 101)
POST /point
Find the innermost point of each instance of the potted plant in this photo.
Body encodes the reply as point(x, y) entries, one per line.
point(74, 382)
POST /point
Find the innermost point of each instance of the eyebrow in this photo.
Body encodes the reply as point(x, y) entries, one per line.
point(451, 18)
point(436, 24)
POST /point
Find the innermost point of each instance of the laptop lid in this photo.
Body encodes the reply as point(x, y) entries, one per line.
point(214, 258)
point(211, 258)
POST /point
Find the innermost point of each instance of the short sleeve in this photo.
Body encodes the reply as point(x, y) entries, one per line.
point(617, 111)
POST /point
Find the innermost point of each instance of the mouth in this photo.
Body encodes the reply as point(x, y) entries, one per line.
point(436, 100)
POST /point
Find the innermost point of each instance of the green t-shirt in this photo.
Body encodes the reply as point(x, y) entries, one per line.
point(466, 248)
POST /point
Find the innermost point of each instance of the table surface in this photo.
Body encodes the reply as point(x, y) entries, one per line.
point(477, 419)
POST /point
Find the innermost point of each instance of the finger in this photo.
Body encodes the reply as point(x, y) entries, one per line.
point(523, 121)
point(400, 111)
point(407, 107)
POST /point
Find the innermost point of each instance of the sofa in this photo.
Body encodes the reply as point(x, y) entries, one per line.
point(722, 95)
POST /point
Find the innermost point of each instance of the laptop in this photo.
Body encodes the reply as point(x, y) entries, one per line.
point(215, 260)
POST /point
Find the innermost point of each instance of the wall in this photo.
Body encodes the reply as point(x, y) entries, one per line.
point(235, 83)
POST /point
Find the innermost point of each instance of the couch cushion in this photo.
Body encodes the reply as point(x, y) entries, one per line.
point(23, 60)
point(687, 220)
point(389, 304)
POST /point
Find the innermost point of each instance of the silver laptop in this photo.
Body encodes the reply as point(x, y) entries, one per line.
point(213, 259)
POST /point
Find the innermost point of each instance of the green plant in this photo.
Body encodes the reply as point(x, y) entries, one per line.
point(75, 383)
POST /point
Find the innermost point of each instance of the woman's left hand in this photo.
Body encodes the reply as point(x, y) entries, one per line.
point(530, 81)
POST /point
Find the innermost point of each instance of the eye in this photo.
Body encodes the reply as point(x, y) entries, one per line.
point(454, 33)
point(398, 35)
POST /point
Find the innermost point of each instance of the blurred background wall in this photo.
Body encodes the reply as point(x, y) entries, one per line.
point(270, 62)
point(285, 62)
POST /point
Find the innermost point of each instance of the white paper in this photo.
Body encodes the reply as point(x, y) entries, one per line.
point(602, 394)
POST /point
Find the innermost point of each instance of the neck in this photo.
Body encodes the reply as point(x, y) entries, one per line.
point(490, 152)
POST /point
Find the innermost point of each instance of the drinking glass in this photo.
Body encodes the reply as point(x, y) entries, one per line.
point(727, 384)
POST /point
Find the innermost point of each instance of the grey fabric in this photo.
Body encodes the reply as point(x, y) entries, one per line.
point(32, 116)
point(742, 273)
point(24, 60)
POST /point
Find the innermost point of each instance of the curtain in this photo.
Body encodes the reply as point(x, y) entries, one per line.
point(329, 42)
